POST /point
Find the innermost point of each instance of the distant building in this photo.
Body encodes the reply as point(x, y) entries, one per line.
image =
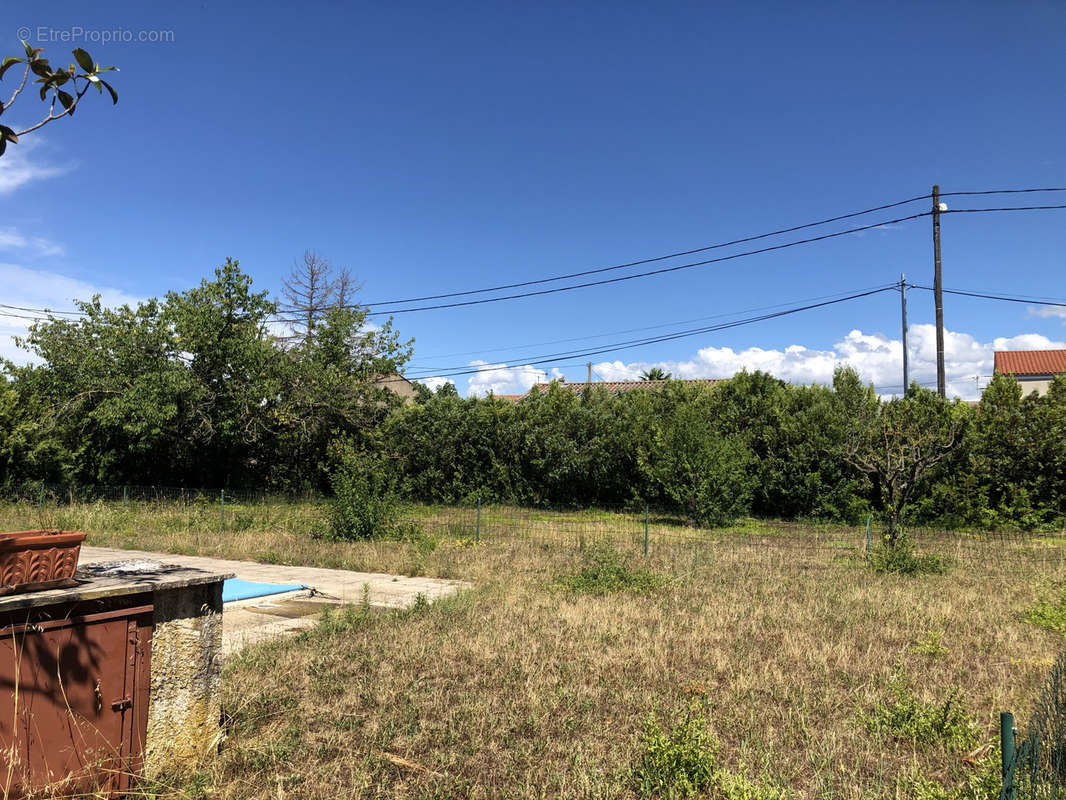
point(614, 387)
point(398, 385)
point(1033, 369)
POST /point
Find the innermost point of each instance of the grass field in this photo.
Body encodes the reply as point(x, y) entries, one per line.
point(770, 659)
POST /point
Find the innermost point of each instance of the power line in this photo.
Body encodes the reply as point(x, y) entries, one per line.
point(41, 310)
point(743, 240)
point(1002, 208)
point(663, 270)
point(705, 262)
point(23, 316)
point(652, 260)
point(514, 347)
point(626, 345)
point(677, 254)
point(1030, 297)
point(1006, 298)
point(927, 384)
point(1005, 191)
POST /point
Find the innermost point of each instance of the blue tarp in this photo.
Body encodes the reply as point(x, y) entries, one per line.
point(236, 589)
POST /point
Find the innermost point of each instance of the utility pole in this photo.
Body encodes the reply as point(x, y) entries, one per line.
point(903, 306)
point(938, 296)
point(589, 381)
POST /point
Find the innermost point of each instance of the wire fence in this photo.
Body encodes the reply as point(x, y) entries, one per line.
point(649, 531)
point(72, 494)
point(636, 529)
point(1034, 764)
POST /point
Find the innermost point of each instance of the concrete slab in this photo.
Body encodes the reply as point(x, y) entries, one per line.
point(245, 622)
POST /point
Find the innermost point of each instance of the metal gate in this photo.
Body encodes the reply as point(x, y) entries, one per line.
point(73, 698)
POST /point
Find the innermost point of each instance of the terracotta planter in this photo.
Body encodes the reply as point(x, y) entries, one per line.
point(34, 560)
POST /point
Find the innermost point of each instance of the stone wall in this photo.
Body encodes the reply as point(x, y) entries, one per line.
point(184, 711)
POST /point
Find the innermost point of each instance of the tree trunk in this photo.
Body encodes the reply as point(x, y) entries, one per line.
point(891, 534)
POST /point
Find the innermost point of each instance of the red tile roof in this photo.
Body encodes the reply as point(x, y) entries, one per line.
point(1030, 362)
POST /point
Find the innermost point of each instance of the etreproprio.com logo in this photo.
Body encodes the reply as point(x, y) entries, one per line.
point(44, 34)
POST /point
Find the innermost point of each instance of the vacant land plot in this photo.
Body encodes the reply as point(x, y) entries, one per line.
point(766, 661)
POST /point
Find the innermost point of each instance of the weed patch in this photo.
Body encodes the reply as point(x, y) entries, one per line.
point(982, 783)
point(900, 559)
point(605, 572)
point(930, 644)
point(1049, 614)
point(908, 718)
point(681, 760)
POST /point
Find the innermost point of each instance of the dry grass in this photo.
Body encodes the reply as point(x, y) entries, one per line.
point(517, 690)
point(520, 689)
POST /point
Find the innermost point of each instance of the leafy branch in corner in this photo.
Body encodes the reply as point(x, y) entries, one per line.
point(51, 83)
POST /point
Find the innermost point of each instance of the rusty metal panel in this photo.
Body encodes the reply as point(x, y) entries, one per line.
point(72, 710)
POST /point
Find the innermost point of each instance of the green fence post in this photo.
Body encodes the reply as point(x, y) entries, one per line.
point(477, 530)
point(867, 535)
point(1006, 754)
point(645, 529)
point(40, 500)
point(222, 500)
point(124, 498)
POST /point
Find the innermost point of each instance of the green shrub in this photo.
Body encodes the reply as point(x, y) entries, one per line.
point(682, 761)
point(703, 471)
point(983, 781)
point(604, 572)
point(900, 559)
point(679, 762)
point(907, 717)
point(731, 786)
point(365, 504)
point(1049, 613)
point(931, 644)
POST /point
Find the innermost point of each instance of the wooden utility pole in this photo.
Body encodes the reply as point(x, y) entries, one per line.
point(938, 296)
point(903, 305)
point(590, 375)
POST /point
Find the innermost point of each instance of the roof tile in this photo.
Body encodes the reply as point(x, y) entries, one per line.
point(1030, 362)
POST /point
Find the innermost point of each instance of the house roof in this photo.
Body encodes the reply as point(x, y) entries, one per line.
point(1030, 362)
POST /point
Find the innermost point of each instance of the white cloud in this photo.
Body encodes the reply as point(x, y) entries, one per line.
point(11, 239)
point(876, 357)
point(502, 379)
point(32, 288)
point(19, 167)
point(1049, 311)
point(434, 383)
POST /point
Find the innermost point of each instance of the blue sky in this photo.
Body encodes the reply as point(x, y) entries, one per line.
point(439, 147)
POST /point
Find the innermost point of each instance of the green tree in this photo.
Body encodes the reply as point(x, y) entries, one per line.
point(329, 387)
point(1052, 475)
point(235, 388)
point(108, 395)
point(802, 473)
point(193, 390)
point(655, 374)
point(1007, 452)
point(703, 471)
point(78, 79)
point(898, 442)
